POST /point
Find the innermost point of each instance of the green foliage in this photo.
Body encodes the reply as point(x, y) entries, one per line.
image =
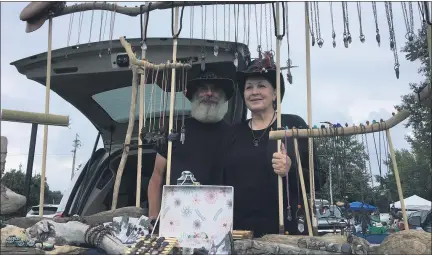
point(14, 180)
point(350, 174)
point(414, 165)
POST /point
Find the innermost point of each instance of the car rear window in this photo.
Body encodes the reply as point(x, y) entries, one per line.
point(116, 102)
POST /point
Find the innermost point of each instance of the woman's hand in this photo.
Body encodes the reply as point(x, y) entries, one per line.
point(281, 162)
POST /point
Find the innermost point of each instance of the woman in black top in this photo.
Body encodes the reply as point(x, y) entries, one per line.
point(252, 163)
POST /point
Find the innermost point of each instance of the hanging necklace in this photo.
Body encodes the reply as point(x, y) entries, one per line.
point(256, 140)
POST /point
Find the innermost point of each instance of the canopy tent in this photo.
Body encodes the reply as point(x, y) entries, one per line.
point(414, 203)
point(360, 206)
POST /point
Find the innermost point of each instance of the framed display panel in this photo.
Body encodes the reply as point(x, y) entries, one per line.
point(197, 215)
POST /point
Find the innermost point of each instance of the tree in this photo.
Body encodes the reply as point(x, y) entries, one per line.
point(14, 180)
point(347, 158)
point(412, 177)
point(419, 174)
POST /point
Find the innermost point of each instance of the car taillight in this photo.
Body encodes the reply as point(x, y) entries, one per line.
point(58, 215)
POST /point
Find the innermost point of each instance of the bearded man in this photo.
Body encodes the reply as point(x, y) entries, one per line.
point(202, 148)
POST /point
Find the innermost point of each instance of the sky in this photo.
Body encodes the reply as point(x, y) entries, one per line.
point(349, 85)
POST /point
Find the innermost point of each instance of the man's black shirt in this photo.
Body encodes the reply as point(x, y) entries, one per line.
point(201, 152)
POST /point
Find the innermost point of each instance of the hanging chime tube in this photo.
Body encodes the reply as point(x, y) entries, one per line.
point(309, 112)
point(47, 103)
point(172, 97)
point(279, 121)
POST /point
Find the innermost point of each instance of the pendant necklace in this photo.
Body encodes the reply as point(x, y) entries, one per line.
point(255, 139)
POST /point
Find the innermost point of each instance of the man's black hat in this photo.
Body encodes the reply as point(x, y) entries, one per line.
point(209, 77)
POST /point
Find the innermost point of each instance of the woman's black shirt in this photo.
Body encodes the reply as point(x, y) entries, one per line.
point(249, 170)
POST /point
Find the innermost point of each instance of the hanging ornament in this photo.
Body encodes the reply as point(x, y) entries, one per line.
point(236, 59)
point(216, 50)
point(378, 36)
point(203, 56)
point(332, 22)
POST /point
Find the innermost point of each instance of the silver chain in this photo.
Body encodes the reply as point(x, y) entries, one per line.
point(393, 46)
point(320, 41)
point(289, 62)
point(378, 36)
point(332, 22)
point(409, 20)
point(311, 24)
point(362, 37)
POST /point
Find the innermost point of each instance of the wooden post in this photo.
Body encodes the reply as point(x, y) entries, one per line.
point(398, 182)
point(303, 188)
point(47, 103)
point(3, 151)
point(309, 112)
point(29, 171)
point(279, 122)
point(172, 97)
point(128, 138)
point(141, 121)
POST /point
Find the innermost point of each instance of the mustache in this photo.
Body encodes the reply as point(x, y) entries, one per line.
point(210, 99)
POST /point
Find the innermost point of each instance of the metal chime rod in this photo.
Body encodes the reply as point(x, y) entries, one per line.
point(309, 113)
point(279, 121)
point(47, 103)
point(172, 97)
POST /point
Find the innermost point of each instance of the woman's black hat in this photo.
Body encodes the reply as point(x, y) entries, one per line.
point(261, 67)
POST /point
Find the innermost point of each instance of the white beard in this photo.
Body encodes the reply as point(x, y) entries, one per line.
point(207, 112)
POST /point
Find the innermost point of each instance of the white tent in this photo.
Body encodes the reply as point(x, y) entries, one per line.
point(414, 203)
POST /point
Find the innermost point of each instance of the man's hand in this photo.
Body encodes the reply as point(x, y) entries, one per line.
point(281, 162)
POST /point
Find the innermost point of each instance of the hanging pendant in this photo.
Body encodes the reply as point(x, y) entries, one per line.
point(289, 215)
point(378, 39)
point(182, 135)
point(320, 42)
point(236, 60)
point(216, 50)
point(259, 51)
point(289, 77)
point(143, 46)
point(300, 225)
point(256, 142)
point(396, 68)
point(202, 61)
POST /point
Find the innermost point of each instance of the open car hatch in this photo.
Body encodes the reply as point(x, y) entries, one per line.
point(98, 84)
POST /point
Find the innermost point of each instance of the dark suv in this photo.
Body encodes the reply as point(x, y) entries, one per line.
point(99, 87)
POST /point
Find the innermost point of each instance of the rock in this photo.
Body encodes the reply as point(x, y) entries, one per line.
point(406, 242)
point(102, 217)
point(10, 201)
point(329, 242)
point(261, 247)
point(67, 249)
point(73, 233)
point(294, 239)
point(131, 211)
point(10, 230)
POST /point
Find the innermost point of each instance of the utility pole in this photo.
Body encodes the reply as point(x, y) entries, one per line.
point(76, 145)
point(331, 186)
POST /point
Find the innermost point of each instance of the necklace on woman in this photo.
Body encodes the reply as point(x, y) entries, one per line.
point(257, 140)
